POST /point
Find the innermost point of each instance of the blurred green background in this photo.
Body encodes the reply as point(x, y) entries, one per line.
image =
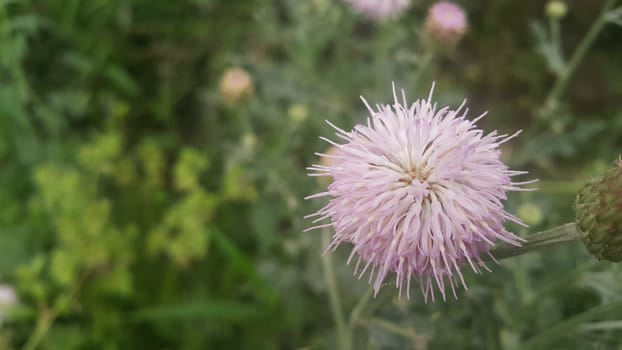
point(141, 208)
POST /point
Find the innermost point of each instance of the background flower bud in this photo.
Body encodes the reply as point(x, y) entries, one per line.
point(248, 141)
point(298, 113)
point(379, 10)
point(445, 24)
point(556, 9)
point(530, 213)
point(236, 85)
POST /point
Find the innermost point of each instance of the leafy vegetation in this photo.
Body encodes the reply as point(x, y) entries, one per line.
point(143, 210)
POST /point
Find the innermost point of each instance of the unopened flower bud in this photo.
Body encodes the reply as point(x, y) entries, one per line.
point(236, 85)
point(530, 213)
point(556, 9)
point(298, 113)
point(598, 210)
point(445, 24)
point(248, 141)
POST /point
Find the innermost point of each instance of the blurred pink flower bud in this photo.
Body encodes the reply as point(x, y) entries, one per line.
point(236, 85)
point(379, 9)
point(445, 24)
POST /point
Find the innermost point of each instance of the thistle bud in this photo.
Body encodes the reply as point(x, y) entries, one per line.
point(236, 85)
point(556, 9)
point(445, 24)
point(248, 141)
point(379, 10)
point(298, 113)
point(530, 213)
point(598, 210)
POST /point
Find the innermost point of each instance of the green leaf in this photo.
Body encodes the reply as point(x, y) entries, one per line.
point(242, 264)
point(570, 325)
point(122, 80)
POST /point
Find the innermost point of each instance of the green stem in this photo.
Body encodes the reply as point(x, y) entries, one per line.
point(12, 58)
point(48, 315)
point(343, 334)
point(394, 328)
point(568, 326)
point(556, 36)
point(544, 239)
point(44, 322)
point(356, 313)
point(556, 40)
point(424, 64)
point(561, 82)
point(560, 187)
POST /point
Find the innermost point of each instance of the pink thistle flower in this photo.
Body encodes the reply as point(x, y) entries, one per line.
point(379, 9)
point(418, 192)
point(446, 23)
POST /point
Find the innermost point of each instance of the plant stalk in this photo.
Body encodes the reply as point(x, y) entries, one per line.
point(561, 82)
point(356, 313)
point(543, 239)
point(328, 271)
point(47, 316)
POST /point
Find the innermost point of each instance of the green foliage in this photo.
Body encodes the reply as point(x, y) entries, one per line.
point(141, 211)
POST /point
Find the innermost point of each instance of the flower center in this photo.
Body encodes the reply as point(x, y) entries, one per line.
point(416, 183)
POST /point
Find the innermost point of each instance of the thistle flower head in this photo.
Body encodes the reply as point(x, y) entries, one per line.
point(236, 85)
point(418, 192)
point(379, 9)
point(598, 209)
point(446, 23)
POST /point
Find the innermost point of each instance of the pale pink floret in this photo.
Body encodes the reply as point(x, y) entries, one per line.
point(379, 9)
point(417, 191)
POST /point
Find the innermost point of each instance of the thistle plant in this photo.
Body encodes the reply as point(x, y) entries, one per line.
point(152, 188)
point(418, 192)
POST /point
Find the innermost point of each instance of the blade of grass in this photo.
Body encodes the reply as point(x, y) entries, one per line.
point(566, 327)
point(240, 262)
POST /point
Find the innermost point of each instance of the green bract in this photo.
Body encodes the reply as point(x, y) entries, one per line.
point(598, 215)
